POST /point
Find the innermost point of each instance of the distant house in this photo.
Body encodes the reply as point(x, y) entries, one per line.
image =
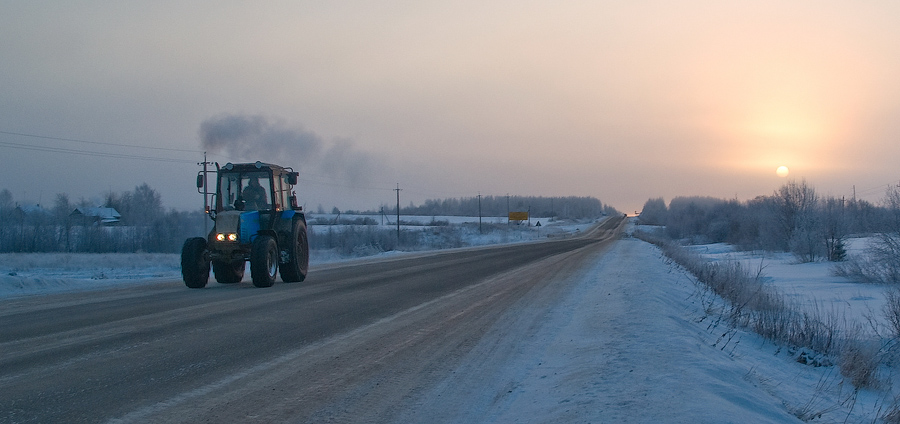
point(31, 210)
point(96, 216)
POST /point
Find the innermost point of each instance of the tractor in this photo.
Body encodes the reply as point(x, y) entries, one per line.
point(256, 219)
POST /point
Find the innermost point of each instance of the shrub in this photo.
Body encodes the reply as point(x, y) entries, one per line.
point(892, 310)
point(879, 265)
point(859, 363)
point(762, 309)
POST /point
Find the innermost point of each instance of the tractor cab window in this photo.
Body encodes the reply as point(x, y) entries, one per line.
point(248, 191)
point(283, 192)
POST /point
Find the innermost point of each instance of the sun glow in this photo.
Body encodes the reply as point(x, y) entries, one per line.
point(764, 137)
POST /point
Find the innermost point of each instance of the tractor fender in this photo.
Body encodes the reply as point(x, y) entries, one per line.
point(285, 224)
point(266, 232)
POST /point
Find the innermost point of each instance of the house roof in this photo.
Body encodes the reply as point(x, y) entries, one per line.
point(105, 215)
point(30, 209)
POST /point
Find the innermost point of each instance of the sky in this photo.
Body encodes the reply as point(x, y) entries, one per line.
point(622, 101)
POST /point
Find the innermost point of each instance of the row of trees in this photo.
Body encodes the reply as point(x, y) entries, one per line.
point(793, 219)
point(145, 226)
point(569, 207)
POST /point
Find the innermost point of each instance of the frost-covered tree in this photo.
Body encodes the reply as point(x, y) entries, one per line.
point(835, 226)
point(795, 207)
point(140, 207)
point(62, 209)
point(6, 230)
point(653, 212)
point(691, 216)
point(6, 199)
point(881, 262)
point(884, 253)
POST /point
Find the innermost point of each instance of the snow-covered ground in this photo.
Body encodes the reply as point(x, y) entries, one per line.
point(629, 343)
point(811, 286)
point(40, 273)
point(856, 307)
point(24, 274)
point(411, 221)
point(494, 230)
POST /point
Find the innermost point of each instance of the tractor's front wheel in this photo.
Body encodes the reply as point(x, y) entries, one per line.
point(263, 261)
point(195, 263)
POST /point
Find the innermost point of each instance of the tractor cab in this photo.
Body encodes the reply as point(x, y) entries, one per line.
point(255, 187)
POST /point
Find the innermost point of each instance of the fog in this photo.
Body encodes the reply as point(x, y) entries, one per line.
point(620, 101)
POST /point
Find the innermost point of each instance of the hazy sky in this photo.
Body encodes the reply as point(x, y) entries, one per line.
point(619, 100)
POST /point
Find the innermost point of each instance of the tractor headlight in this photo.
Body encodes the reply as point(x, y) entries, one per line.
point(226, 237)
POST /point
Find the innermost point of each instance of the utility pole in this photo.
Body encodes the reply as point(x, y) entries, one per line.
point(479, 214)
point(205, 195)
point(398, 213)
point(507, 209)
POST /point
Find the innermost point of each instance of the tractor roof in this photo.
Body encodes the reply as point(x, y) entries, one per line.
point(252, 166)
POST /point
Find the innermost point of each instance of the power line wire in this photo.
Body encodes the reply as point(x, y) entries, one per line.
point(97, 142)
point(90, 153)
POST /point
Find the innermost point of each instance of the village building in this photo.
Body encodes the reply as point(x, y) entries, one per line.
point(96, 216)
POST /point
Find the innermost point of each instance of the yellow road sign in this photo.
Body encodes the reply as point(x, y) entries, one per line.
point(518, 216)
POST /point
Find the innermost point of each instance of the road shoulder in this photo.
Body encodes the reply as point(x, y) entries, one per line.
point(621, 344)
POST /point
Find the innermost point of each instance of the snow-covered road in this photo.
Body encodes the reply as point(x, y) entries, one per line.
point(620, 338)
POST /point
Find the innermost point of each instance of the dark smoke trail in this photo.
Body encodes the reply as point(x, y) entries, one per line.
point(248, 138)
point(252, 138)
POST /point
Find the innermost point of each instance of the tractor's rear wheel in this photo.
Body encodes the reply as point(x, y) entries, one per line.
point(229, 272)
point(263, 261)
point(297, 266)
point(195, 263)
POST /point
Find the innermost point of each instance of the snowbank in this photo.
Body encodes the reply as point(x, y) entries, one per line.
point(41, 273)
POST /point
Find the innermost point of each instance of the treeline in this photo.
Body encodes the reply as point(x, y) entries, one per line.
point(142, 224)
point(793, 219)
point(571, 207)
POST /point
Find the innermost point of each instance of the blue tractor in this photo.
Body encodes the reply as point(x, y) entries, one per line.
point(256, 218)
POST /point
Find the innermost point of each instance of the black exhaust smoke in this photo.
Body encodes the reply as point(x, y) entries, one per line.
point(248, 138)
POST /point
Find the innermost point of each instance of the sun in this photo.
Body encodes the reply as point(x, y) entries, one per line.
point(782, 171)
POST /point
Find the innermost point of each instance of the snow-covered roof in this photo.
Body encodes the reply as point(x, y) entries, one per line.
point(30, 209)
point(105, 215)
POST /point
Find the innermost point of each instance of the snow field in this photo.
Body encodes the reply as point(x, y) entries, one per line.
point(811, 286)
point(854, 310)
point(41, 273)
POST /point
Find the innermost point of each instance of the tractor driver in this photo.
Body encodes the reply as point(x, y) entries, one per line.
point(254, 195)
